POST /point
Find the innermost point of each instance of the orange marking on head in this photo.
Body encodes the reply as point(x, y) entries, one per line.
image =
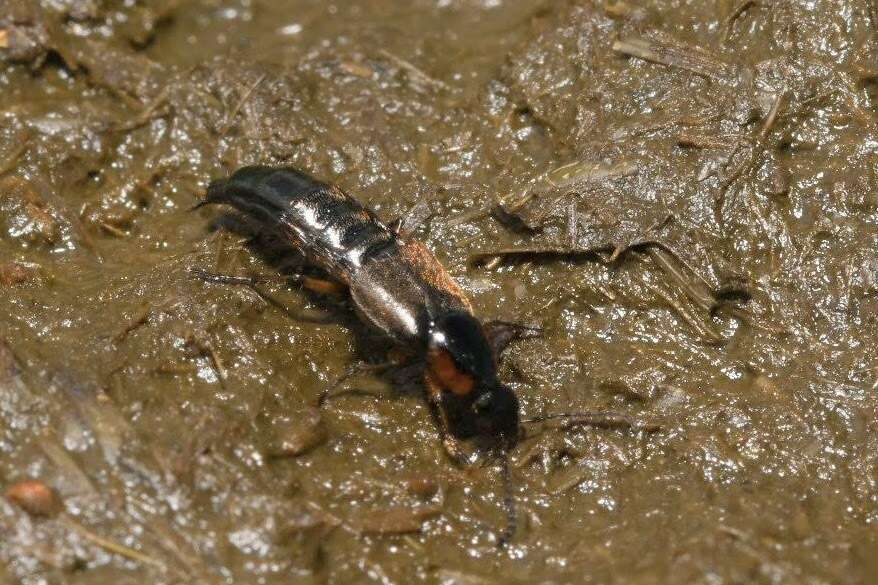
point(448, 375)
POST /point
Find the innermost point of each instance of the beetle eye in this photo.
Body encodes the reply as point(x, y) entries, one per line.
point(483, 403)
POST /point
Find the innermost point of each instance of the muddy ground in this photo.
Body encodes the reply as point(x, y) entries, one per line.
point(682, 194)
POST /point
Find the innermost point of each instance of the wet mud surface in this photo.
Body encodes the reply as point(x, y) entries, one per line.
point(682, 195)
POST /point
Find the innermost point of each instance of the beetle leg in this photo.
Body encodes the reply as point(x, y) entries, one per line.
point(452, 446)
point(314, 284)
point(253, 283)
point(454, 450)
point(359, 368)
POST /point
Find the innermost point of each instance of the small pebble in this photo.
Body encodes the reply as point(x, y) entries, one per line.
point(13, 273)
point(356, 69)
point(34, 497)
point(395, 520)
point(422, 486)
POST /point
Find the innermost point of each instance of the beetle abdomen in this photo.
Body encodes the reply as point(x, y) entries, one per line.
point(398, 285)
point(329, 226)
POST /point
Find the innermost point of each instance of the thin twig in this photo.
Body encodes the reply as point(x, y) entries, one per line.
point(525, 254)
point(589, 172)
point(703, 299)
point(113, 230)
point(672, 53)
point(227, 125)
point(147, 113)
point(570, 480)
point(215, 359)
point(113, 547)
point(687, 140)
point(419, 73)
point(737, 11)
point(702, 329)
point(69, 468)
point(174, 544)
point(772, 115)
point(139, 319)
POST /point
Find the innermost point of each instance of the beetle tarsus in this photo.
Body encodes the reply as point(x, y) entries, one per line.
point(502, 334)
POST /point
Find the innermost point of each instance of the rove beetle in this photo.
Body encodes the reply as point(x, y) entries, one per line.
point(396, 284)
point(399, 287)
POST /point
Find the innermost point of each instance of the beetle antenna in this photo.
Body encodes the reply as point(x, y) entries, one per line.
point(508, 503)
point(607, 419)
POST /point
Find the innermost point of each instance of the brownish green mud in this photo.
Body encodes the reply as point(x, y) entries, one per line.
point(696, 186)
